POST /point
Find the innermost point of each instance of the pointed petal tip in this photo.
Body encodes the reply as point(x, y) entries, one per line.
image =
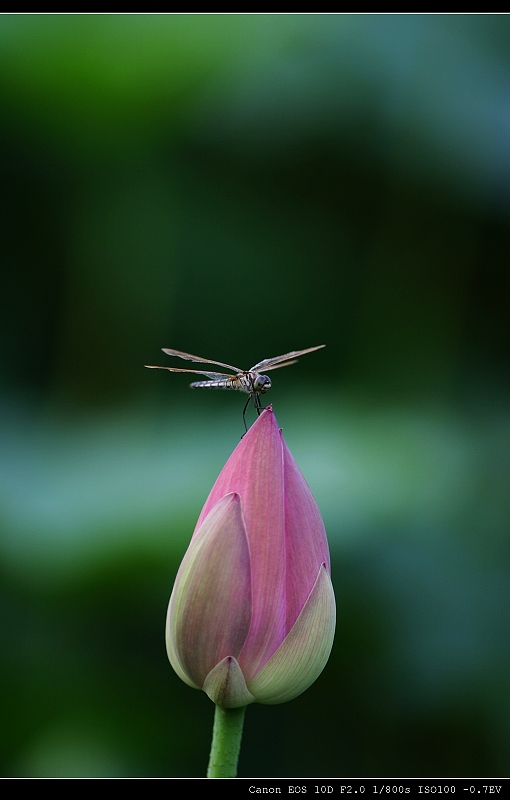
point(225, 685)
point(266, 422)
point(267, 412)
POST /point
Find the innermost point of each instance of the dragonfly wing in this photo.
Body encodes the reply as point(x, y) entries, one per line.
point(271, 362)
point(213, 376)
point(189, 357)
point(285, 364)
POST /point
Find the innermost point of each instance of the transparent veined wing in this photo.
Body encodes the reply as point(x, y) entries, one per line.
point(271, 363)
point(213, 376)
point(198, 359)
point(277, 366)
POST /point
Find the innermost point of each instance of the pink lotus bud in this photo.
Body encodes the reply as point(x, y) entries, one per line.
point(252, 613)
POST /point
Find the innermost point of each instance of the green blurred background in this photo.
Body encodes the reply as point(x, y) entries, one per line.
point(237, 187)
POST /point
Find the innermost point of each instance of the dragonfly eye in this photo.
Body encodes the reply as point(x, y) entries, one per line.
point(261, 384)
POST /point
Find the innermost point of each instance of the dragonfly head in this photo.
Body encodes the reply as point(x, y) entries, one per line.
point(261, 384)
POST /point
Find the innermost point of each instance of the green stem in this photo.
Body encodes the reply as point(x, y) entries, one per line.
point(226, 742)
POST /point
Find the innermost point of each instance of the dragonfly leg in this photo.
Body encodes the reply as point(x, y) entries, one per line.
point(244, 415)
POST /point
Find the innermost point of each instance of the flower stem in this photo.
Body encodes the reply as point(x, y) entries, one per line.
point(226, 742)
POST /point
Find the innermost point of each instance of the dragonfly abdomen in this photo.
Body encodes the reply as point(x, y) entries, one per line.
point(227, 383)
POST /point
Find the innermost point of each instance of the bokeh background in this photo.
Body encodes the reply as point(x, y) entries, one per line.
point(237, 187)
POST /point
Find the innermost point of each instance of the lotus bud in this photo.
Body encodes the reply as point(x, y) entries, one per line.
point(252, 613)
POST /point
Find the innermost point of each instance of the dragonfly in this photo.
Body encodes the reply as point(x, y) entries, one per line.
point(251, 381)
